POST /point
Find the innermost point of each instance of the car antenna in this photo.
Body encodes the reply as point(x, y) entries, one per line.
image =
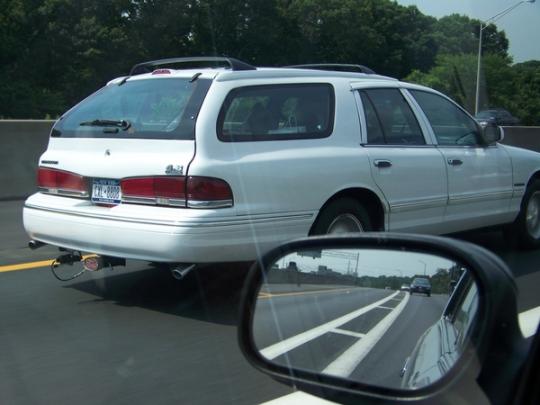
point(124, 80)
point(195, 77)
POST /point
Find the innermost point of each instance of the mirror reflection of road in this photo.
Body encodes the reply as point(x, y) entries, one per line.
point(361, 333)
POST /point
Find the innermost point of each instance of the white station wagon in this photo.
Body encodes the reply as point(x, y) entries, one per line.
point(214, 164)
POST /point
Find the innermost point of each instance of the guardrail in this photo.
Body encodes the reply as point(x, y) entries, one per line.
point(23, 141)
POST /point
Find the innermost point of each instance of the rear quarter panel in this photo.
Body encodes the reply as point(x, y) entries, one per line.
point(289, 176)
point(525, 163)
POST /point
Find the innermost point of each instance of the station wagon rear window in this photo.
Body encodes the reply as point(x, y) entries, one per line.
point(146, 109)
point(277, 112)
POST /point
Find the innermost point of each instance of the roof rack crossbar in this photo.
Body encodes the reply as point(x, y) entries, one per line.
point(147, 67)
point(340, 67)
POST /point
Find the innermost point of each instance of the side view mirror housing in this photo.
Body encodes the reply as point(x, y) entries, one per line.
point(493, 134)
point(382, 317)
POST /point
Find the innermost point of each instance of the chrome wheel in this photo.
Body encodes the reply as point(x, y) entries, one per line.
point(532, 215)
point(346, 223)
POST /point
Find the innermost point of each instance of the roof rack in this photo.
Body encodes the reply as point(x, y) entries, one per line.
point(147, 67)
point(339, 67)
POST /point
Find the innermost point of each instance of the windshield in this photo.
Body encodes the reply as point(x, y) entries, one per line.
point(421, 281)
point(151, 109)
point(486, 114)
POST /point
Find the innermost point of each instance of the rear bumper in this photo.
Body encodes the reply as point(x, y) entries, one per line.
point(421, 290)
point(189, 238)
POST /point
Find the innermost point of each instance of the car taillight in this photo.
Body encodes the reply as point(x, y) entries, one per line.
point(208, 192)
point(179, 191)
point(168, 190)
point(55, 181)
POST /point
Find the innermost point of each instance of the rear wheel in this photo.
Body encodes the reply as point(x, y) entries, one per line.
point(345, 215)
point(526, 228)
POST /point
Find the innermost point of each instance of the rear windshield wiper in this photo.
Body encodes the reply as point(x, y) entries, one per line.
point(124, 124)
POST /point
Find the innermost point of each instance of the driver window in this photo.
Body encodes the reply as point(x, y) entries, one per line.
point(450, 124)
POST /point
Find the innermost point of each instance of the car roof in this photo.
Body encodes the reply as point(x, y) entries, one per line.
point(273, 73)
point(226, 74)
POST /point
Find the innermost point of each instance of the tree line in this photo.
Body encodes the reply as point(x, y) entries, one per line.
point(53, 53)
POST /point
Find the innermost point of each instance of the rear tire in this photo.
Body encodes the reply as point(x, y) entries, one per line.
point(345, 215)
point(526, 228)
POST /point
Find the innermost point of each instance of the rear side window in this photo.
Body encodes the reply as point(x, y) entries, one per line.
point(153, 109)
point(277, 112)
point(450, 124)
point(390, 119)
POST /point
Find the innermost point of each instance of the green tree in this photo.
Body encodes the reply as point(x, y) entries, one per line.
point(524, 89)
point(457, 34)
point(55, 52)
point(389, 38)
point(455, 75)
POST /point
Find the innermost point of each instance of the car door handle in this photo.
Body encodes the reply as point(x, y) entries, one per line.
point(455, 162)
point(381, 163)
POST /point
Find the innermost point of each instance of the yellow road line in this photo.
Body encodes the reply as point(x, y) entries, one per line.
point(30, 265)
point(268, 295)
point(26, 266)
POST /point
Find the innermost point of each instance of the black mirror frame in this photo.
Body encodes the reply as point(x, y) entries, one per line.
point(471, 378)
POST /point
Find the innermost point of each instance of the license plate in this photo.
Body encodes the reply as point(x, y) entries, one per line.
point(106, 191)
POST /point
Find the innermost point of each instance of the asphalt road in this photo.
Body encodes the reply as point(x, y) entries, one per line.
point(134, 335)
point(284, 317)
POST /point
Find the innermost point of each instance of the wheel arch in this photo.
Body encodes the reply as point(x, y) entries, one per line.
point(369, 200)
point(535, 176)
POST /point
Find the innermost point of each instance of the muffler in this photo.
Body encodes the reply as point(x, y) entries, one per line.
point(179, 271)
point(35, 244)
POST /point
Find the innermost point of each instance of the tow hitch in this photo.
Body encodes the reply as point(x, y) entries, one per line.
point(86, 263)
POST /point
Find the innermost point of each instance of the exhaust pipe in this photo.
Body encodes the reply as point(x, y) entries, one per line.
point(35, 244)
point(179, 271)
point(96, 262)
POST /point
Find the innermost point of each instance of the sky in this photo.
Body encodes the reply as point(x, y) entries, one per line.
point(522, 25)
point(371, 262)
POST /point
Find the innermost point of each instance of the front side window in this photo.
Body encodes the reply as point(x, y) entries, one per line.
point(277, 112)
point(390, 119)
point(450, 124)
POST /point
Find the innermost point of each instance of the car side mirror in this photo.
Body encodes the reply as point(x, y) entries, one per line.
point(384, 317)
point(493, 134)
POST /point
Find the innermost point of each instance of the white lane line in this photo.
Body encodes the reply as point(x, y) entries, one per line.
point(279, 348)
point(380, 306)
point(345, 364)
point(528, 321)
point(299, 398)
point(348, 333)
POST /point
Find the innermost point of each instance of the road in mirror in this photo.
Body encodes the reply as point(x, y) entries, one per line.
point(382, 317)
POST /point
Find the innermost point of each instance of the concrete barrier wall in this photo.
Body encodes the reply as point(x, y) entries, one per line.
point(22, 142)
point(524, 137)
